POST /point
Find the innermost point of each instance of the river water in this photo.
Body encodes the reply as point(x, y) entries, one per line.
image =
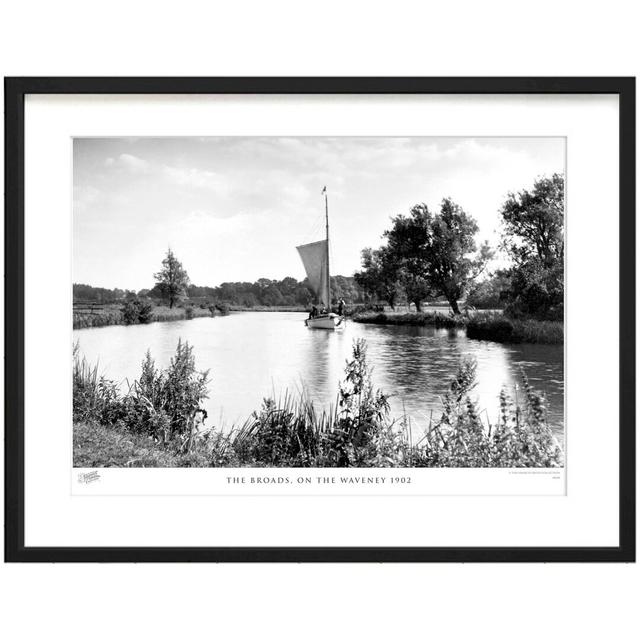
point(252, 355)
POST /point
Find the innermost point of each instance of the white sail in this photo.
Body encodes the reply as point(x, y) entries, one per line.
point(314, 259)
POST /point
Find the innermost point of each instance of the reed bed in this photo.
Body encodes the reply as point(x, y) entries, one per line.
point(498, 328)
point(479, 325)
point(85, 317)
point(439, 319)
point(165, 314)
point(146, 426)
point(265, 309)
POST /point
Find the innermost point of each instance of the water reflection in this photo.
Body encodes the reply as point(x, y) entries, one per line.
point(252, 355)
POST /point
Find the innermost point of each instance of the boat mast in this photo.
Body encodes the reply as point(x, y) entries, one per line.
point(326, 213)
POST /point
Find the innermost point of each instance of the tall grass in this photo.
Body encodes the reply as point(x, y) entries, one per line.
point(84, 318)
point(437, 319)
point(87, 317)
point(94, 397)
point(499, 328)
point(265, 309)
point(479, 325)
point(357, 431)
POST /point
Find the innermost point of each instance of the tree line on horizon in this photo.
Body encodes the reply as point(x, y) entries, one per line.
point(428, 256)
point(263, 292)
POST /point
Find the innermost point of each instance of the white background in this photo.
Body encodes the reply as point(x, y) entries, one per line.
point(331, 38)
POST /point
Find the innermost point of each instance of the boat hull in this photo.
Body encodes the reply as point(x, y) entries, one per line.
point(330, 321)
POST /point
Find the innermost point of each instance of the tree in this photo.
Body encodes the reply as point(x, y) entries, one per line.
point(271, 295)
point(304, 294)
point(489, 293)
point(534, 222)
point(379, 275)
point(536, 291)
point(345, 288)
point(435, 255)
point(287, 287)
point(533, 235)
point(87, 293)
point(172, 280)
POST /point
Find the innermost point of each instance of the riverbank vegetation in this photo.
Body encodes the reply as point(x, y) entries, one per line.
point(139, 311)
point(500, 328)
point(478, 325)
point(157, 421)
point(99, 307)
point(439, 319)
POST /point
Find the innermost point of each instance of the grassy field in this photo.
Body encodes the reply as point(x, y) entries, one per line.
point(98, 445)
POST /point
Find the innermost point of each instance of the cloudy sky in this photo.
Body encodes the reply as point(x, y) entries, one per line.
point(233, 209)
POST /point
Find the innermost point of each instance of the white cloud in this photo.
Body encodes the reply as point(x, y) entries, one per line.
point(129, 162)
point(199, 178)
point(205, 222)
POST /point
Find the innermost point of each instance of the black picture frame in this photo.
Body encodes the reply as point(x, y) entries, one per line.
point(15, 91)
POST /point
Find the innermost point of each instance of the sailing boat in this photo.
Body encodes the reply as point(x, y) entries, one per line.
point(315, 258)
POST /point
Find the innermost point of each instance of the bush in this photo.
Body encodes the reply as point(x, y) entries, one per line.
point(161, 403)
point(361, 408)
point(145, 312)
point(164, 402)
point(137, 311)
point(496, 328)
point(130, 312)
point(521, 438)
point(536, 291)
point(189, 312)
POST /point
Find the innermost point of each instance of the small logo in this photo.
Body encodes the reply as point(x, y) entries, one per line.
point(90, 476)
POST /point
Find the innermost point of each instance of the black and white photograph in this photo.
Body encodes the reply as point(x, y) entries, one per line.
point(320, 319)
point(311, 302)
point(320, 309)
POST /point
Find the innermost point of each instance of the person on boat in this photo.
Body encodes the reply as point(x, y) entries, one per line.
point(314, 312)
point(323, 311)
point(340, 307)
